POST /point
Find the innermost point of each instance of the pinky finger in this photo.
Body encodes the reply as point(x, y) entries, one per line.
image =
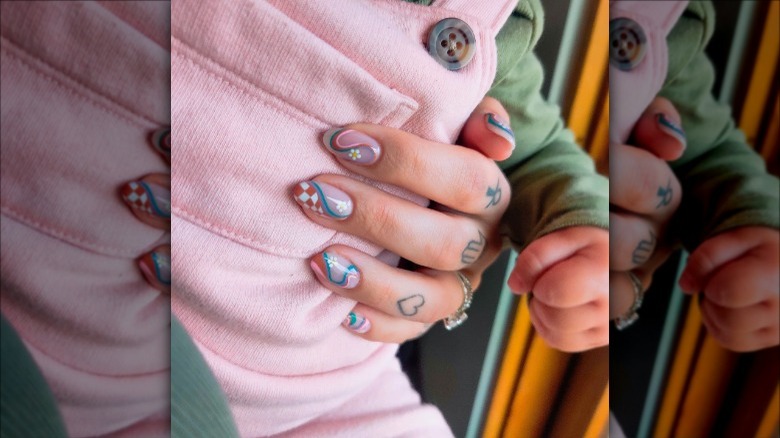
point(373, 325)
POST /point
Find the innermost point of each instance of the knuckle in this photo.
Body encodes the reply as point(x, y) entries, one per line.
point(456, 249)
point(473, 181)
point(443, 254)
point(415, 161)
point(385, 296)
point(378, 218)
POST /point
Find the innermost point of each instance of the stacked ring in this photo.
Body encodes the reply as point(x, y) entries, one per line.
point(631, 316)
point(459, 317)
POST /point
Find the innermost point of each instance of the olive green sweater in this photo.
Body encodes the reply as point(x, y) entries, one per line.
point(725, 183)
point(554, 184)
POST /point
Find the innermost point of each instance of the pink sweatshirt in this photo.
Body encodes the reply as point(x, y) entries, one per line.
point(83, 86)
point(254, 86)
point(633, 90)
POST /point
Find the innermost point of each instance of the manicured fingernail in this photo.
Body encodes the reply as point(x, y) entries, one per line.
point(500, 127)
point(352, 146)
point(156, 267)
point(670, 127)
point(323, 199)
point(161, 141)
point(357, 323)
point(336, 269)
point(148, 198)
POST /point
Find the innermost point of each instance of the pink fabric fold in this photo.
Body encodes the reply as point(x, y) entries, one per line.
point(255, 85)
point(632, 91)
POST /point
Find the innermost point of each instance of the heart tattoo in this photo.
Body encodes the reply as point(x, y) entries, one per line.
point(409, 305)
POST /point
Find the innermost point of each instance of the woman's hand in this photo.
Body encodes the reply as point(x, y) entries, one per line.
point(459, 234)
point(644, 194)
point(149, 198)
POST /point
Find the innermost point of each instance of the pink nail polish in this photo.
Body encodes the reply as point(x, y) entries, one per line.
point(352, 146)
point(161, 141)
point(156, 267)
point(500, 127)
point(323, 199)
point(336, 269)
point(671, 128)
point(357, 323)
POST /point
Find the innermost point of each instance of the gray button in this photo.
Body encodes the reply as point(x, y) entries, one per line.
point(451, 43)
point(627, 43)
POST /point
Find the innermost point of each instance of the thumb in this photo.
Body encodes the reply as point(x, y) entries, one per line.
point(488, 130)
point(709, 257)
point(659, 130)
point(536, 259)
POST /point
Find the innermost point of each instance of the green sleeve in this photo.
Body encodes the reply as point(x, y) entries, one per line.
point(725, 183)
point(27, 406)
point(554, 182)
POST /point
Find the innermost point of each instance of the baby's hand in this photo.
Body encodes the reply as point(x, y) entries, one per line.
point(568, 273)
point(738, 273)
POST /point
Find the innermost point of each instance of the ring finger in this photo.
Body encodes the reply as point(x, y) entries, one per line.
point(636, 244)
point(416, 296)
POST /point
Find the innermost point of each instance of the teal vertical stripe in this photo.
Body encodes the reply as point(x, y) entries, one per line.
point(747, 11)
point(571, 33)
point(664, 357)
point(506, 304)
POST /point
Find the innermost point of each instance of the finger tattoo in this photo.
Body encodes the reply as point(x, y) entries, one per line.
point(472, 251)
point(494, 193)
point(643, 250)
point(665, 195)
point(410, 305)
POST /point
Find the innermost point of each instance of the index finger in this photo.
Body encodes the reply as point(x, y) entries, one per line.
point(642, 183)
point(457, 177)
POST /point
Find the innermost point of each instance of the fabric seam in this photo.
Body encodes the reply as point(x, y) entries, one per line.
point(59, 77)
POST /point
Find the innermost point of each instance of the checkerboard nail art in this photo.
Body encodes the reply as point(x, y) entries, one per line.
point(323, 199)
point(148, 198)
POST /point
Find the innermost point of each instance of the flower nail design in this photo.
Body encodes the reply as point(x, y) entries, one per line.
point(357, 323)
point(352, 146)
point(336, 269)
point(323, 199)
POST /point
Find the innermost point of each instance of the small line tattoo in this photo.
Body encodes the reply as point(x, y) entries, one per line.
point(665, 194)
point(408, 306)
point(473, 250)
point(643, 250)
point(494, 193)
